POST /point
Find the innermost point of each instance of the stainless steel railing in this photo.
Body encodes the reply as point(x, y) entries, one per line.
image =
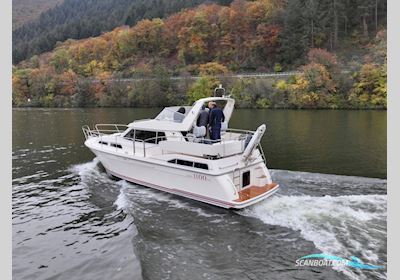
point(101, 130)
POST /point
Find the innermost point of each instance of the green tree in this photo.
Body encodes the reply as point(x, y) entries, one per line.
point(313, 88)
point(370, 87)
point(212, 68)
point(203, 87)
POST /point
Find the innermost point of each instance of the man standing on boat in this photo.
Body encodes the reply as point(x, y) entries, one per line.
point(216, 118)
point(202, 120)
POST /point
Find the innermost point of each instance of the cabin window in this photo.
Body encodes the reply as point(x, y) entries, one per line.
point(116, 145)
point(103, 143)
point(245, 179)
point(130, 134)
point(144, 135)
point(184, 162)
point(189, 163)
point(201, 165)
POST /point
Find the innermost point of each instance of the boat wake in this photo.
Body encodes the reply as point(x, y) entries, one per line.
point(342, 225)
point(346, 222)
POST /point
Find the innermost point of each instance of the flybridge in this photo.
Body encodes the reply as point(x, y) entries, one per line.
point(184, 122)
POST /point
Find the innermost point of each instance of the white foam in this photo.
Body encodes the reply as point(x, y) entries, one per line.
point(149, 196)
point(122, 201)
point(330, 222)
point(84, 168)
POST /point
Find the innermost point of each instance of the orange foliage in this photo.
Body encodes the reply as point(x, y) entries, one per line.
point(69, 81)
point(234, 36)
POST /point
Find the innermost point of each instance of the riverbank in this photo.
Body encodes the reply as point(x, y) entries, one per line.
point(147, 107)
point(160, 90)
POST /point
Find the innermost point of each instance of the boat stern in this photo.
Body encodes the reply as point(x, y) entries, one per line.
point(254, 194)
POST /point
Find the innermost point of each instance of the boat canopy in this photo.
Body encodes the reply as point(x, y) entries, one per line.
point(174, 119)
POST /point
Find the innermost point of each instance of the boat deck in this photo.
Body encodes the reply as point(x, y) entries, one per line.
point(253, 191)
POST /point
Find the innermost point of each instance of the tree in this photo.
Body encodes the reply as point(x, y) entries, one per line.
point(294, 39)
point(203, 87)
point(20, 87)
point(60, 60)
point(212, 68)
point(324, 58)
point(313, 88)
point(370, 87)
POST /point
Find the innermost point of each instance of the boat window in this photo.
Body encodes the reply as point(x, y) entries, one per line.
point(184, 162)
point(201, 165)
point(103, 143)
point(189, 163)
point(130, 134)
point(144, 135)
point(116, 145)
point(173, 114)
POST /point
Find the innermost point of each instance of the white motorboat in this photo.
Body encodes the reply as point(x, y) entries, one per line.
point(170, 153)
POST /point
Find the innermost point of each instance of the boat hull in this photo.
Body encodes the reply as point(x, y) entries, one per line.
point(217, 190)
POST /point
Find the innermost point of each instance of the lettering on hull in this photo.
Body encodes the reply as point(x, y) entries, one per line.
point(200, 177)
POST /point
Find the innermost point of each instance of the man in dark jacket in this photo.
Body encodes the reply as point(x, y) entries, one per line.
point(216, 118)
point(202, 120)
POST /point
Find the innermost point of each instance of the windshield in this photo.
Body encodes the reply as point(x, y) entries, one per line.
point(173, 114)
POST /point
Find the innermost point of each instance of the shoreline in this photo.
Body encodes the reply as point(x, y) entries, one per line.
point(153, 107)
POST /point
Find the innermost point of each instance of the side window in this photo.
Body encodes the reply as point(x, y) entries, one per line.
point(201, 165)
point(144, 135)
point(189, 163)
point(160, 137)
point(184, 162)
point(130, 134)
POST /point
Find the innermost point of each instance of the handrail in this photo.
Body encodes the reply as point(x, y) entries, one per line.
point(99, 132)
point(243, 131)
point(116, 126)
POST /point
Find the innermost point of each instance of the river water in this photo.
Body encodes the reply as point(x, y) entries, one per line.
point(70, 221)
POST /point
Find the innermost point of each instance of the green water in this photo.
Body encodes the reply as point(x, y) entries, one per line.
point(322, 141)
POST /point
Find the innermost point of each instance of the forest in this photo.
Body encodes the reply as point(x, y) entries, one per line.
point(76, 19)
point(337, 46)
point(25, 11)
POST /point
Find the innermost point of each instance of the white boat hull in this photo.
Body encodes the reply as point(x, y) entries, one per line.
point(217, 190)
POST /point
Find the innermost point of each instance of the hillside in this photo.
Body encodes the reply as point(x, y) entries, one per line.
point(210, 40)
point(24, 11)
point(76, 19)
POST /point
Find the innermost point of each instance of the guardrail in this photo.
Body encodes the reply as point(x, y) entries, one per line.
point(238, 75)
point(101, 130)
point(116, 126)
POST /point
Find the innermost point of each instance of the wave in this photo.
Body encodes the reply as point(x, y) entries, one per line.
point(318, 184)
point(338, 225)
point(344, 222)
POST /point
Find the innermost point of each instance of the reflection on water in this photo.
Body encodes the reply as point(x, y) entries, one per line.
point(70, 221)
point(335, 142)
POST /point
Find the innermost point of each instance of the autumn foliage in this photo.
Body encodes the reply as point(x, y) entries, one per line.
point(205, 41)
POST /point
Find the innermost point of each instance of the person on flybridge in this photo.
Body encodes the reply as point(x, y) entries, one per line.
point(202, 120)
point(215, 120)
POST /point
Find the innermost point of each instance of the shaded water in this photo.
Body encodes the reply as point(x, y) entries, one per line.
point(70, 221)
